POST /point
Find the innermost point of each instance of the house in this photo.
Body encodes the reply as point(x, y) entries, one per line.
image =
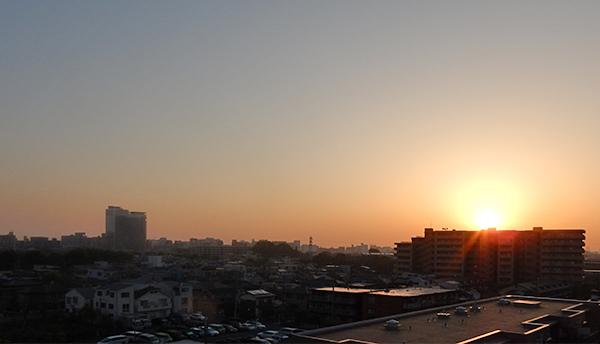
point(212, 297)
point(152, 302)
point(182, 295)
point(257, 301)
point(115, 300)
point(78, 298)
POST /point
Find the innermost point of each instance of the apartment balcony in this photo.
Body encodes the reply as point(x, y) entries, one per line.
point(562, 249)
point(562, 264)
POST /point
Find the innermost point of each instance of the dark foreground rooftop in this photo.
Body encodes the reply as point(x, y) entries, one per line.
point(426, 327)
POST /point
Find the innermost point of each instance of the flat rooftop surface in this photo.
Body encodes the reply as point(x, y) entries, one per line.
point(426, 327)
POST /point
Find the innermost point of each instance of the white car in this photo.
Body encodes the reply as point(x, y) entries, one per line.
point(249, 325)
point(273, 334)
point(256, 324)
point(148, 338)
point(131, 334)
point(114, 339)
point(219, 328)
point(197, 316)
point(504, 302)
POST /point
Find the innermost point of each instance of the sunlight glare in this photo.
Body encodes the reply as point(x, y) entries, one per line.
point(488, 219)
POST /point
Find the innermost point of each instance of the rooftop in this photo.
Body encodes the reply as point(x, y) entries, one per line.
point(402, 292)
point(425, 326)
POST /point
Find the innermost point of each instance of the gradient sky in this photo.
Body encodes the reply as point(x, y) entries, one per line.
point(347, 121)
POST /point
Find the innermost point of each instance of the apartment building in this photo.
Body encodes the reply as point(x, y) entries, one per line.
point(504, 257)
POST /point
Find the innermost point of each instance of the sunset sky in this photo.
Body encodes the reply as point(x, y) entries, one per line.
point(348, 121)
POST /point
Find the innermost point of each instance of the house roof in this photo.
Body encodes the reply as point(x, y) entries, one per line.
point(87, 293)
point(116, 286)
point(139, 293)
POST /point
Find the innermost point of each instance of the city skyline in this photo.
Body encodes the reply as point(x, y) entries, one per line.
point(345, 121)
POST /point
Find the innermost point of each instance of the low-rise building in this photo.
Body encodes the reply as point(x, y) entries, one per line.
point(115, 300)
point(152, 302)
point(521, 320)
point(78, 298)
point(345, 305)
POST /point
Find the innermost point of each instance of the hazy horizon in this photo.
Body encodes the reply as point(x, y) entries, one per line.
point(347, 121)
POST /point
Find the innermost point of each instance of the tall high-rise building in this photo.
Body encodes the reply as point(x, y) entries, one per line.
point(111, 215)
point(124, 229)
point(504, 257)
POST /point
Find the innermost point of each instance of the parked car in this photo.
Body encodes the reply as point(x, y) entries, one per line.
point(237, 324)
point(259, 325)
point(230, 328)
point(160, 321)
point(197, 317)
point(219, 328)
point(504, 302)
point(249, 325)
point(131, 334)
point(255, 340)
point(290, 330)
point(180, 318)
point(136, 324)
point(198, 331)
point(176, 335)
point(163, 337)
point(272, 334)
point(210, 331)
point(147, 338)
point(114, 339)
point(146, 322)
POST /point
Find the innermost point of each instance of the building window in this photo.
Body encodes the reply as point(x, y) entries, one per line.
point(103, 305)
point(184, 301)
point(68, 299)
point(112, 294)
point(124, 294)
point(371, 300)
point(99, 293)
point(111, 306)
point(370, 311)
point(125, 308)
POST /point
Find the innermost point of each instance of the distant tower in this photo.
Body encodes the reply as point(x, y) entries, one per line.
point(310, 248)
point(124, 229)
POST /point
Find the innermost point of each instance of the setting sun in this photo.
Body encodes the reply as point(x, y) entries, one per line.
point(488, 219)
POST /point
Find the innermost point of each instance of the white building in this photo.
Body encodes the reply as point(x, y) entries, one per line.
point(182, 295)
point(78, 298)
point(152, 302)
point(115, 300)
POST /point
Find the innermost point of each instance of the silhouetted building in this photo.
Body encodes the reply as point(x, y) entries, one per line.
point(504, 257)
point(8, 241)
point(75, 240)
point(124, 229)
point(130, 231)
